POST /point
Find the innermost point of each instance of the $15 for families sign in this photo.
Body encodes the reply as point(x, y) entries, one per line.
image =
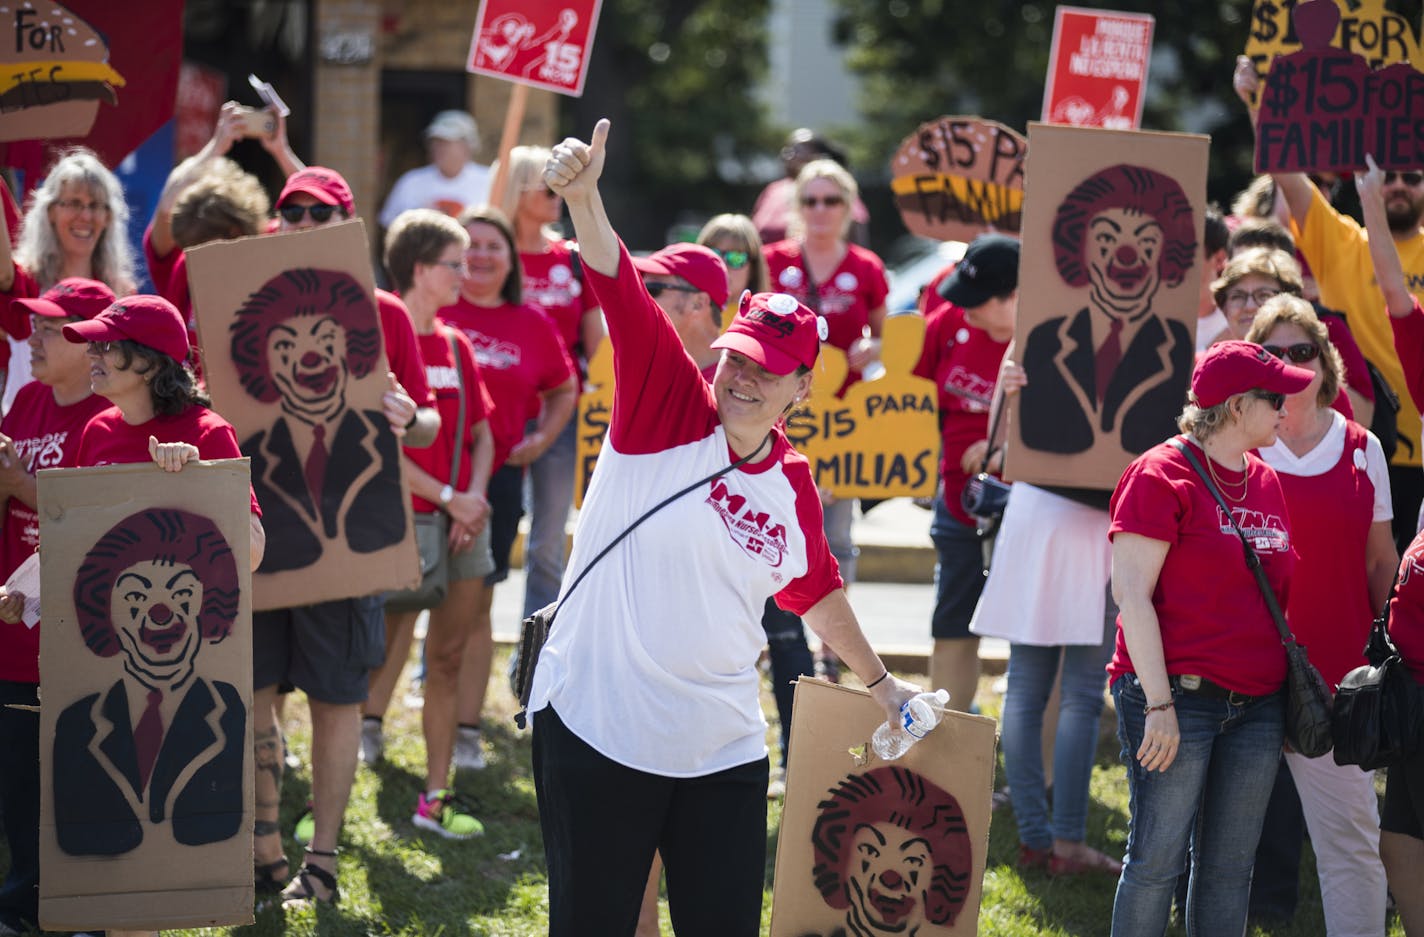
point(543, 43)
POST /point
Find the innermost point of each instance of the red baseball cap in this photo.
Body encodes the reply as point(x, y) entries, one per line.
point(72, 296)
point(775, 331)
point(151, 321)
point(1230, 368)
point(325, 185)
point(696, 264)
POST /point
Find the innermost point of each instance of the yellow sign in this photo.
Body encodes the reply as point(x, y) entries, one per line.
point(1367, 28)
point(595, 407)
point(882, 439)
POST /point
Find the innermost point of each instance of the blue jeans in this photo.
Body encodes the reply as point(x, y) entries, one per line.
point(836, 522)
point(958, 575)
point(551, 485)
point(1213, 797)
point(1030, 679)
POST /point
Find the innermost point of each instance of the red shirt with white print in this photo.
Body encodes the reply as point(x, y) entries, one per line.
point(446, 383)
point(551, 284)
point(42, 432)
point(520, 357)
point(653, 661)
point(1212, 616)
point(963, 361)
point(856, 288)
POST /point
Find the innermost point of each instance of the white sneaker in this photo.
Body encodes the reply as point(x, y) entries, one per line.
point(373, 741)
point(469, 753)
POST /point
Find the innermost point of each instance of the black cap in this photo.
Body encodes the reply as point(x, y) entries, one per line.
point(990, 268)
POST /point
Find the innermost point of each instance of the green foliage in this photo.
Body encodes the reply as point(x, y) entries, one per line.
point(920, 59)
point(678, 79)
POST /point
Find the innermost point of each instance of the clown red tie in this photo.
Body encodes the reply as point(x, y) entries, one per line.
point(1108, 357)
point(316, 464)
point(148, 736)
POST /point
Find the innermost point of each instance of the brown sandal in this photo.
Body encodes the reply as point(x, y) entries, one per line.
point(300, 892)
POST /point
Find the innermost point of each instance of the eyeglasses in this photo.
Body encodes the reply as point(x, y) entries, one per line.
point(735, 260)
point(1239, 297)
point(102, 348)
point(829, 201)
point(320, 213)
point(1299, 353)
point(459, 266)
point(1277, 401)
point(657, 289)
point(80, 207)
point(1408, 178)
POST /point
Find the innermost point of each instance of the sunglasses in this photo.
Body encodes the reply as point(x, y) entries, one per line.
point(102, 348)
point(321, 214)
point(1239, 297)
point(735, 260)
point(1277, 401)
point(1408, 178)
point(829, 201)
point(1299, 353)
point(657, 289)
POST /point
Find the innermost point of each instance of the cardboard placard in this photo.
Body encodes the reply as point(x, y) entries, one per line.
point(294, 357)
point(1323, 109)
point(146, 783)
point(1097, 68)
point(54, 74)
point(1110, 248)
point(541, 43)
point(871, 847)
point(956, 177)
point(1367, 27)
point(595, 409)
point(882, 439)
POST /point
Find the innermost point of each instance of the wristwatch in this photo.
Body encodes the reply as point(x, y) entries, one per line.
point(447, 494)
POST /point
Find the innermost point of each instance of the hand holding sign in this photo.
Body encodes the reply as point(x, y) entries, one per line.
point(574, 167)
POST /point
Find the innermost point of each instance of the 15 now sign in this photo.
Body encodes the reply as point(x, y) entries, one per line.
point(543, 43)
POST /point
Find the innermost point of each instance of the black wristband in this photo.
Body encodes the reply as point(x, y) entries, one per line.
point(878, 680)
point(413, 418)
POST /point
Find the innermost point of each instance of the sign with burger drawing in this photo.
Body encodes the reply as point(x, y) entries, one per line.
point(54, 71)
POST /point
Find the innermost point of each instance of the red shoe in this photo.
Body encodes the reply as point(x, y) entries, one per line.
point(1030, 858)
point(1092, 862)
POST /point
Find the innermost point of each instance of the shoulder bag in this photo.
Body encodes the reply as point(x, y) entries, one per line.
point(1378, 707)
point(984, 497)
point(1307, 696)
point(535, 629)
point(432, 530)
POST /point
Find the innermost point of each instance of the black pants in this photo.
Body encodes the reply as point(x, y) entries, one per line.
point(790, 658)
point(602, 822)
point(20, 803)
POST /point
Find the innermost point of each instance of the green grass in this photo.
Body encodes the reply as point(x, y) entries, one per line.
point(397, 881)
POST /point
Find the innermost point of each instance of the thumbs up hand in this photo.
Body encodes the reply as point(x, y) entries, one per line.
point(574, 167)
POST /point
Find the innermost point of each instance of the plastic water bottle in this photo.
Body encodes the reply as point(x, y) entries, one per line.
point(918, 715)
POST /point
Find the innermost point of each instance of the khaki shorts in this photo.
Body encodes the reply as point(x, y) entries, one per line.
point(475, 563)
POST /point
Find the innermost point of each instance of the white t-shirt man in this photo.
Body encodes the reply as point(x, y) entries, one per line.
point(428, 187)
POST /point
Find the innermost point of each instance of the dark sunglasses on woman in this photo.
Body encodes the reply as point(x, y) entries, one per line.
point(321, 214)
point(1299, 353)
point(735, 260)
point(1276, 400)
point(830, 201)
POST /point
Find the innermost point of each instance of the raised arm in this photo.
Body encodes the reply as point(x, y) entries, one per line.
point(1295, 187)
point(228, 131)
point(573, 171)
point(1389, 272)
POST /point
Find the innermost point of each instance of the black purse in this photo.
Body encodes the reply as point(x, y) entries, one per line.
point(1378, 708)
point(1308, 700)
point(534, 630)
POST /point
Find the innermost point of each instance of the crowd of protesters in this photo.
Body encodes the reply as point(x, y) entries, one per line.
point(1140, 594)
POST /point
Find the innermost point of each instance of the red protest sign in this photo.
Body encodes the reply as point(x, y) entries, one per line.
point(543, 43)
point(1097, 69)
point(1323, 109)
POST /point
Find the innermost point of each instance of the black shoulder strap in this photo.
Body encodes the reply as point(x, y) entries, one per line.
point(1253, 562)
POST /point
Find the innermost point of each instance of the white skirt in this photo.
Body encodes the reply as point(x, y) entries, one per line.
point(1052, 561)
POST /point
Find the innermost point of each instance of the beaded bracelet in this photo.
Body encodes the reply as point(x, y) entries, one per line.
point(1160, 707)
point(872, 684)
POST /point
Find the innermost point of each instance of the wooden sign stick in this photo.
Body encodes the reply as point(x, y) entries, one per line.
point(513, 120)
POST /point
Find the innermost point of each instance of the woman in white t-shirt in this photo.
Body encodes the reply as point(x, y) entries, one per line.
point(648, 732)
